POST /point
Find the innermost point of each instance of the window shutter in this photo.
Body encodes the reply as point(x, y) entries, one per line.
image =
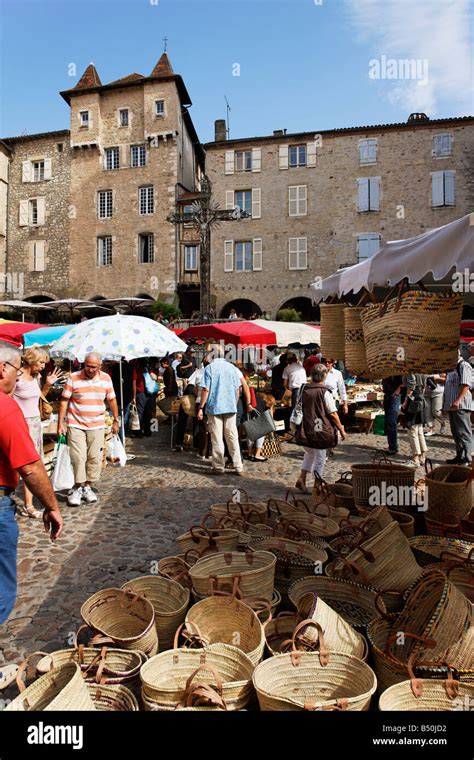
point(450, 188)
point(437, 189)
point(292, 201)
point(257, 255)
point(374, 244)
point(47, 168)
point(283, 156)
point(40, 211)
point(256, 159)
point(293, 253)
point(23, 214)
point(311, 154)
point(39, 256)
point(256, 203)
point(363, 194)
point(229, 162)
point(229, 199)
point(229, 256)
point(374, 193)
point(31, 256)
point(26, 171)
point(302, 253)
point(363, 152)
point(303, 199)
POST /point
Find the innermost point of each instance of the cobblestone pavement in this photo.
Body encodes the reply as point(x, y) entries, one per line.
point(141, 509)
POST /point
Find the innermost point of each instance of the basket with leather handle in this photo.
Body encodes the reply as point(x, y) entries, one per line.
point(61, 688)
point(45, 408)
point(251, 574)
point(367, 478)
point(116, 698)
point(341, 492)
point(200, 536)
point(429, 549)
point(458, 571)
point(251, 511)
point(339, 635)
point(427, 694)
point(170, 602)
point(449, 491)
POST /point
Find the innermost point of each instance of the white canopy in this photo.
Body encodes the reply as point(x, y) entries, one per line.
point(291, 332)
point(432, 254)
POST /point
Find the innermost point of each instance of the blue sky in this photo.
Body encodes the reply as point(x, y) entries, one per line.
point(304, 64)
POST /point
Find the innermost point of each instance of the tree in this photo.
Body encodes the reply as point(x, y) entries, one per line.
point(289, 315)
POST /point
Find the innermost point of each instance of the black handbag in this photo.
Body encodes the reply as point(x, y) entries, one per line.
point(258, 424)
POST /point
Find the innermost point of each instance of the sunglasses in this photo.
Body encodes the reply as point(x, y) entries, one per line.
point(19, 372)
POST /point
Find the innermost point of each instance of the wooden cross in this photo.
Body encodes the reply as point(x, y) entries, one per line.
point(204, 215)
point(165, 40)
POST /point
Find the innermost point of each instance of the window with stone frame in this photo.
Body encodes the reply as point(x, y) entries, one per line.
point(137, 156)
point(146, 248)
point(123, 117)
point(146, 200)
point(104, 204)
point(297, 253)
point(104, 251)
point(297, 155)
point(243, 256)
point(159, 108)
point(112, 158)
point(38, 171)
point(84, 118)
point(191, 253)
point(243, 199)
point(243, 160)
point(33, 211)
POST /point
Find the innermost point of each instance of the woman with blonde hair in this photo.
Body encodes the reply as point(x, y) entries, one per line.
point(27, 394)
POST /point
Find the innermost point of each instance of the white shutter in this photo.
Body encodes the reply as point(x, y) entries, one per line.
point(292, 201)
point(437, 189)
point(39, 256)
point(311, 154)
point(23, 214)
point(26, 171)
point(31, 256)
point(47, 168)
point(283, 156)
point(450, 187)
point(362, 194)
point(229, 256)
point(257, 255)
point(302, 200)
point(302, 253)
point(374, 244)
point(293, 253)
point(41, 207)
point(374, 193)
point(229, 162)
point(256, 203)
point(229, 199)
point(256, 159)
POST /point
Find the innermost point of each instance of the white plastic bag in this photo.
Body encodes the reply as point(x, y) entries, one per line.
point(62, 478)
point(116, 452)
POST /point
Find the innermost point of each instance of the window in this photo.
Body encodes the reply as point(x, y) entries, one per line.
point(443, 188)
point(368, 196)
point(146, 249)
point(160, 108)
point(243, 199)
point(297, 200)
point(367, 245)
point(84, 118)
point(38, 171)
point(104, 252)
point(38, 263)
point(188, 209)
point(190, 258)
point(60, 147)
point(243, 257)
point(137, 155)
point(112, 158)
point(243, 160)
point(123, 117)
point(298, 253)
point(146, 197)
point(297, 155)
point(368, 151)
point(104, 204)
point(442, 145)
point(33, 211)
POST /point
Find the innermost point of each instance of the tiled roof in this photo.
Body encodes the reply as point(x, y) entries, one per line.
point(129, 78)
point(39, 135)
point(90, 78)
point(163, 68)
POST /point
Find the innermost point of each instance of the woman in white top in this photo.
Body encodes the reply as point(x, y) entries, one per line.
point(294, 376)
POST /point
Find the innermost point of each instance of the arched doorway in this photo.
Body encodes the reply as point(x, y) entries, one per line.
point(39, 299)
point(243, 306)
point(303, 306)
point(144, 295)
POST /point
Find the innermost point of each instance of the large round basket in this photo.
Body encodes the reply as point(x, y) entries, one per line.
point(227, 621)
point(170, 602)
point(251, 574)
point(429, 549)
point(366, 478)
point(298, 681)
point(339, 636)
point(332, 330)
point(128, 620)
point(174, 677)
point(62, 688)
point(199, 537)
point(105, 666)
point(448, 492)
point(433, 695)
point(112, 698)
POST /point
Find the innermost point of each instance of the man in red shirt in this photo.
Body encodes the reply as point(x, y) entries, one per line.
point(18, 456)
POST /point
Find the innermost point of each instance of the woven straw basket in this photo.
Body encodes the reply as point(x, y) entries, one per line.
point(126, 619)
point(405, 521)
point(170, 602)
point(339, 636)
point(367, 476)
point(227, 621)
point(448, 492)
point(171, 678)
point(199, 537)
point(425, 325)
point(458, 571)
point(352, 601)
point(429, 549)
point(332, 330)
point(250, 511)
point(62, 688)
point(314, 526)
point(355, 354)
point(279, 632)
point(251, 574)
point(436, 695)
point(298, 681)
point(112, 698)
point(105, 666)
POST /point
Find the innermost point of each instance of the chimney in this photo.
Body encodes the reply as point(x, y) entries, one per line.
point(279, 132)
point(220, 130)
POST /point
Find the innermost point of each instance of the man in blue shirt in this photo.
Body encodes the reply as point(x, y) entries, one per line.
point(221, 383)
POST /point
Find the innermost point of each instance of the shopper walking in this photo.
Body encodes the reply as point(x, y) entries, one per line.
point(18, 457)
point(392, 388)
point(457, 402)
point(143, 399)
point(27, 394)
point(294, 376)
point(82, 407)
point(434, 403)
point(414, 416)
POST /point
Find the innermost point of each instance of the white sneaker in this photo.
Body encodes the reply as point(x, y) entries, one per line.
point(89, 495)
point(75, 497)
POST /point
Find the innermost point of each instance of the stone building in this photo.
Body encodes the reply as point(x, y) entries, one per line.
point(324, 200)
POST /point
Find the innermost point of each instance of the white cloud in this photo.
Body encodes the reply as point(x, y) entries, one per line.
point(437, 31)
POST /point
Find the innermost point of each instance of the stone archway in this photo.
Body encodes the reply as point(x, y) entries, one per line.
point(309, 312)
point(242, 306)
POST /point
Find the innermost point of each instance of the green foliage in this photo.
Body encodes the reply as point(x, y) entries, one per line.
point(167, 309)
point(289, 315)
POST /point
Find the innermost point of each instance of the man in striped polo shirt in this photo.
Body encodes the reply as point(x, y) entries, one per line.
point(82, 406)
point(457, 402)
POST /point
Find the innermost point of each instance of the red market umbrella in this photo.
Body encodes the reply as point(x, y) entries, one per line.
point(13, 332)
point(235, 333)
point(176, 330)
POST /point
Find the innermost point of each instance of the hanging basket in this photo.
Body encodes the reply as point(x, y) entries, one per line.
point(332, 330)
point(170, 602)
point(250, 574)
point(416, 332)
point(355, 358)
point(61, 688)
